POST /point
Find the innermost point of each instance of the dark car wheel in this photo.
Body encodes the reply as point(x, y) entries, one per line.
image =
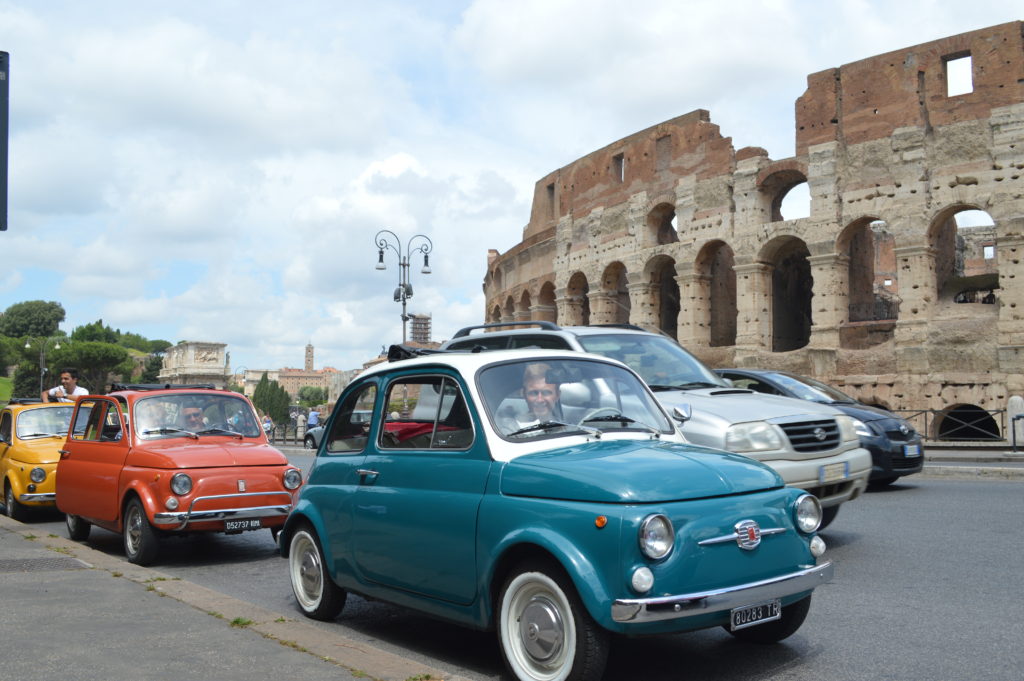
point(141, 543)
point(308, 443)
point(78, 529)
point(827, 516)
point(793, 616)
point(15, 509)
point(317, 594)
point(544, 630)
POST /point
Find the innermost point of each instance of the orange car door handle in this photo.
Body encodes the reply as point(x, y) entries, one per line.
point(64, 453)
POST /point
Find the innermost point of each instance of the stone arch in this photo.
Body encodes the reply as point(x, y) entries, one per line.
point(716, 263)
point(791, 290)
point(495, 314)
point(509, 311)
point(523, 309)
point(661, 224)
point(663, 293)
point(872, 287)
point(546, 308)
point(964, 239)
point(615, 290)
point(776, 181)
point(577, 292)
point(965, 422)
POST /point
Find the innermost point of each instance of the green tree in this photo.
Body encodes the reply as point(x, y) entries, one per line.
point(32, 318)
point(26, 380)
point(270, 398)
point(310, 396)
point(158, 346)
point(151, 374)
point(96, 331)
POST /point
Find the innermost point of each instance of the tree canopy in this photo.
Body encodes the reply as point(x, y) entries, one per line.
point(32, 318)
point(270, 398)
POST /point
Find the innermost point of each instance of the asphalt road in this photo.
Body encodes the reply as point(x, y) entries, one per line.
point(926, 588)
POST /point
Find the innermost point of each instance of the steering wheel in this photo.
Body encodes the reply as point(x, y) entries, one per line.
point(611, 411)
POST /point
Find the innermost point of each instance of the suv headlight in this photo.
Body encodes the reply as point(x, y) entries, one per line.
point(756, 436)
point(656, 536)
point(807, 513)
point(181, 484)
point(847, 429)
point(861, 428)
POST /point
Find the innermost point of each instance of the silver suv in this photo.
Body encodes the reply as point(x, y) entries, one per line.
point(812, 446)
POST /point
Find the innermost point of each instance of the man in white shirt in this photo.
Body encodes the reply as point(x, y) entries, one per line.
point(68, 389)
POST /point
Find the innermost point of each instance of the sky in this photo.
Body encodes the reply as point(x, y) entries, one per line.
point(218, 170)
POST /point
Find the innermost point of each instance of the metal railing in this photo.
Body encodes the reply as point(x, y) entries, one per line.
point(945, 426)
point(287, 434)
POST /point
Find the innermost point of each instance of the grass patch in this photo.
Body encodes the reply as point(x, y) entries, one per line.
point(241, 622)
point(6, 387)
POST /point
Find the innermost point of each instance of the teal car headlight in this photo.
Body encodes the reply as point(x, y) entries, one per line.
point(37, 475)
point(755, 436)
point(807, 513)
point(181, 484)
point(657, 537)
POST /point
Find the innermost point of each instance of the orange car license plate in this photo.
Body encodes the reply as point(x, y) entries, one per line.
point(250, 524)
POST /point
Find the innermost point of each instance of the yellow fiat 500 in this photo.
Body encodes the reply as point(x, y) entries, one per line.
point(31, 435)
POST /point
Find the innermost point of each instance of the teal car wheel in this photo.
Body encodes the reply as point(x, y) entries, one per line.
point(316, 593)
point(545, 632)
point(793, 616)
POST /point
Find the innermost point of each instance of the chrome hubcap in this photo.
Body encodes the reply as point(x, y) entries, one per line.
point(309, 573)
point(133, 531)
point(541, 629)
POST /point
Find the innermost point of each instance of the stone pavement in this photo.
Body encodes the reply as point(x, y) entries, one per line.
point(73, 612)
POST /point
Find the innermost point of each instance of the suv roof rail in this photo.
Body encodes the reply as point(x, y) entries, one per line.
point(631, 327)
point(464, 331)
point(161, 386)
point(397, 352)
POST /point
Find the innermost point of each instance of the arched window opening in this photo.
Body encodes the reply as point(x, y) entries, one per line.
point(510, 309)
point(968, 422)
point(546, 300)
point(966, 256)
point(662, 223)
point(719, 265)
point(495, 314)
point(577, 291)
point(792, 287)
point(613, 283)
point(873, 287)
point(663, 278)
point(523, 312)
point(796, 203)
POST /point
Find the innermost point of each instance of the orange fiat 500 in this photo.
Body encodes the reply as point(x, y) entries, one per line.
point(150, 461)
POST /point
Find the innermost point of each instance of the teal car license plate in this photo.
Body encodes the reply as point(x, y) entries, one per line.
point(750, 615)
point(910, 451)
point(251, 524)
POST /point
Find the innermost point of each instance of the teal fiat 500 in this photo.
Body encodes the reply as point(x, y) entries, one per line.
point(547, 496)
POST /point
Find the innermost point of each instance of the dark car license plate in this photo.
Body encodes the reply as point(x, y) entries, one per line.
point(251, 524)
point(749, 615)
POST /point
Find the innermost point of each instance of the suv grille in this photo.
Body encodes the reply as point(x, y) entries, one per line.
point(812, 436)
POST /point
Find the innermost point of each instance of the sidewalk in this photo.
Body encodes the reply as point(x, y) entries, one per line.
point(973, 459)
point(73, 612)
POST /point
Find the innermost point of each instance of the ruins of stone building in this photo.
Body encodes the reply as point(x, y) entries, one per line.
point(878, 291)
point(194, 362)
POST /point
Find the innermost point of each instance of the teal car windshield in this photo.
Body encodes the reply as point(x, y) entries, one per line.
point(555, 397)
point(660, 361)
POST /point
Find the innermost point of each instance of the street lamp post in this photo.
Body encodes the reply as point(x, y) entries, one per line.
point(386, 239)
point(43, 343)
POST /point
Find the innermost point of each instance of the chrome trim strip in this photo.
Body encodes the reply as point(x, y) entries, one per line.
point(50, 496)
point(720, 600)
point(726, 538)
point(183, 518)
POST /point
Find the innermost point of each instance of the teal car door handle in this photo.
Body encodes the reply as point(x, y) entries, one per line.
point(367, 475)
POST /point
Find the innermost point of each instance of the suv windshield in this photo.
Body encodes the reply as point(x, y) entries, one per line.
point(661, 362)
point(556, 397)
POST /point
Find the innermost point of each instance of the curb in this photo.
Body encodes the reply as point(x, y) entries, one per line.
point(979, 472)
point(357, 657)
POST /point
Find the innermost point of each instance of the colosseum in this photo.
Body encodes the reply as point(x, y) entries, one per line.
point(903, 286)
